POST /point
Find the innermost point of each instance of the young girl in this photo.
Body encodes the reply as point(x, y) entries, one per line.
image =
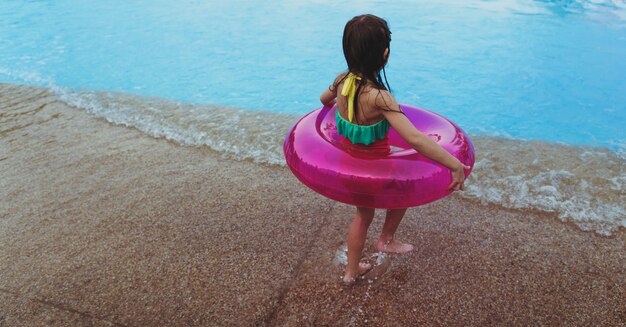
point(366, 103)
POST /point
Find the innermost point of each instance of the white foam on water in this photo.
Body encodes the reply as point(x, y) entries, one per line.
point(236, 133)
point(586, 186)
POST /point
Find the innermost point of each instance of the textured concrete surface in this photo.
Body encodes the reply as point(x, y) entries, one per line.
point(101, 225)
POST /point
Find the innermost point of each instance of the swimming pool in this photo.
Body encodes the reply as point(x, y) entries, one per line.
point(547, 70)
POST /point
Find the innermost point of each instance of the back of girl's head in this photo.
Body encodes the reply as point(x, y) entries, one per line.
point(365, 39)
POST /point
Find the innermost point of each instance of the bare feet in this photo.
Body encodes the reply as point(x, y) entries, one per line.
point(350, 277)
point(393, 246)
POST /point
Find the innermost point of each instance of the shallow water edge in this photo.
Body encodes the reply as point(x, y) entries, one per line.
point(582, 185)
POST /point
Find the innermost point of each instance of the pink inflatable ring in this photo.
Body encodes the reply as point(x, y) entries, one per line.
point(323, 160)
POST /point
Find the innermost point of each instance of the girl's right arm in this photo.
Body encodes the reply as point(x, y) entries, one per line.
point(419, 141)
point(329, 96)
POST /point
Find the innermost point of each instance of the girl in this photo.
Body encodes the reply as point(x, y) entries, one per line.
point(365, 104)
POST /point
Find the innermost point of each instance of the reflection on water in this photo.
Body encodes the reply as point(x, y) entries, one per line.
point(598, 9)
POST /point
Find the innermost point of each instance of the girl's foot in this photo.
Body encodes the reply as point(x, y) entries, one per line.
point(393, 246)
point(350, 278)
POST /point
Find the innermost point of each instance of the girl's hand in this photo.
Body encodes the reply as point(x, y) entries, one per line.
point(458, 177)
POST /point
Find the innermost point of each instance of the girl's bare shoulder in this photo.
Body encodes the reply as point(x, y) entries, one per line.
point(338, 80)
point(380, 99)
point(341, 76)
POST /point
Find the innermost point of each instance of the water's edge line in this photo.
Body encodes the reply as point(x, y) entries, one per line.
point(539, 193)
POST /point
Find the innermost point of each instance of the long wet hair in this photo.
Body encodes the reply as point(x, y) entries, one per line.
point(365, 39)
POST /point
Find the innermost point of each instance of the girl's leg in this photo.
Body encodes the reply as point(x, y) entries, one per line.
point(386, 243)
point(356, 240)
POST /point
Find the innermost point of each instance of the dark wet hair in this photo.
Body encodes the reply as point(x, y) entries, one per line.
point(365, 39)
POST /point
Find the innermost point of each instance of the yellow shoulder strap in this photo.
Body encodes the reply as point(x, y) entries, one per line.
point(349, 90)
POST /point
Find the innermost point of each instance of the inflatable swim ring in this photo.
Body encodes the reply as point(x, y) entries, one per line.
point(322, 159)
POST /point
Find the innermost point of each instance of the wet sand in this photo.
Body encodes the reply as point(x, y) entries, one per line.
point(101, 225)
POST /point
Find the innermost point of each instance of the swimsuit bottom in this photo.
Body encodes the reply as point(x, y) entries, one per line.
point(380, 147)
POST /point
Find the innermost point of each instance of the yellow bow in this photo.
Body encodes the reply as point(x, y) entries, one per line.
point(349, 90)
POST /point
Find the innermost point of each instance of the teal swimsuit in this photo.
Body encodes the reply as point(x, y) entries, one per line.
point(361, 133)
point(365, 134)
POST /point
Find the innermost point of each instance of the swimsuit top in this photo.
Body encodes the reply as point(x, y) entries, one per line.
point(365, 134)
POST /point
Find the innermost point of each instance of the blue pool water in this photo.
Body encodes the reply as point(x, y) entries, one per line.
point(546, 70)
